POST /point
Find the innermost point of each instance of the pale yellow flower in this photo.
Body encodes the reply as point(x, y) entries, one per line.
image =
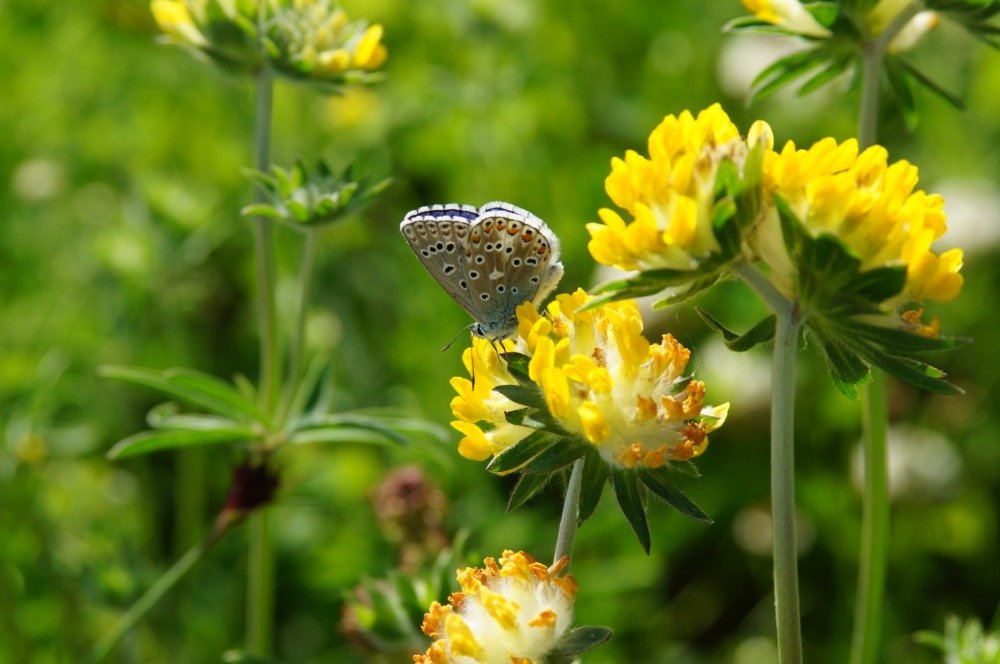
point(787, 14)
point(512, 611)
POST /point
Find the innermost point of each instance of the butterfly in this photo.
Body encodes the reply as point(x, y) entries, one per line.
point(490, 260)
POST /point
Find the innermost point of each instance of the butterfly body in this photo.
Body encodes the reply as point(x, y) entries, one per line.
point(490, 259)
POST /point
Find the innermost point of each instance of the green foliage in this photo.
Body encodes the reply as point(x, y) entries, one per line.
point(963, 643)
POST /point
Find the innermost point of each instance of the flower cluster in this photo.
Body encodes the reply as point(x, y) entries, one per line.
point(671, 195)
point(303, 39)
point(868, 204)
point(601, 380)
point(514, 610)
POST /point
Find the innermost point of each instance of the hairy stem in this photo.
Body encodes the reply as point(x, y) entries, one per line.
point(784, 545)
point(570, 513)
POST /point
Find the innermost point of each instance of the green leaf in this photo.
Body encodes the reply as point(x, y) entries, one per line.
point(371, 423)
point(517, 365)
point(931, 85)
point(525, 395)
point(560, 455)
point(657, 480)
point(580, 640)
point(243, 657)
point(900, 341)
point(526, 488)
point(166, 439)
point(630, 500)
point(902, 87)
point(194, 387)
point(687, 293)
point(914, 372)
point(846, 367)
point(520, 453)
point(165, 416)
point(879, 284)
point(834, 69)
point(759, 333)
point(595, 476)
point(825, 13)
point(785, 70)
point(340, 434)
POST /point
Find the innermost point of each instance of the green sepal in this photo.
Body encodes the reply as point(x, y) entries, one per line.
point(526, 395)
point(657, 480)
point(560, 455)
point(578, 641)
point(628, 493)
point(762, 332)
point(166, 439)
point(527, 487)
point(517, 365)
point(878, 284)
point(595, 476)
point(520, 453)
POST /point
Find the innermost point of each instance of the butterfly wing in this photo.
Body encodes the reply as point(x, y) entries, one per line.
point(438, 235)
point(511, 257)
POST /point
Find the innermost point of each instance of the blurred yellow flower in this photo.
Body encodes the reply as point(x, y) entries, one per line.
point(787, 14)
point(602, 381)
point(514, 610)
point(670, 195)
point(870, 205)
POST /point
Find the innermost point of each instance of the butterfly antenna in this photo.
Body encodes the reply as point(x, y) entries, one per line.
point(452, 342)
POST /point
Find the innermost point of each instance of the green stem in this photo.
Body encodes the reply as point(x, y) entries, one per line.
point(294, 371)
point(875, 526)
point(785, 549)
point(786, 576)
point(872, 55)
point(872, 564)
point(260, 586)
point(260, 555)
point(263, 241)
point(153, 595)
point(570, 513)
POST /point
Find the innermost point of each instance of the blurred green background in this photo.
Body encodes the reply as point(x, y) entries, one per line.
point(120, 242)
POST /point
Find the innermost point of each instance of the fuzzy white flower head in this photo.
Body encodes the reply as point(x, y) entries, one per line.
point(514, 611)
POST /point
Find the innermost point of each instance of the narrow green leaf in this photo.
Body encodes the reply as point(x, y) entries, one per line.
point(764, 86)
point(193, 387)
point(595, 476)
point(243, 657)
point(371, 423)
point(580, 640)
point(902, 87)
point(900, 341)
point(519, 454)
point(658, 481)
point(824, 12)
point(525, 395)
point(166, 439)
point(916, 373)
point(339, 434)
point(560, 455)
point(761, 332)
point(630, 500)
point(306, 388)
point(931, 85)
point(834, 69)
point(685, 294)
point(526, 488)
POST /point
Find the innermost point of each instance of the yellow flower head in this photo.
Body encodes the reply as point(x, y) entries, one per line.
point(868, 204)
point(602, 381)
point(514, 610)
point(670, 195)
point(787, 14)
point(313, 38)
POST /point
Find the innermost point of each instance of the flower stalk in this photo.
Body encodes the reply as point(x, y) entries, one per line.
point(875, 501)
point(784, 543)
point(570, 513)
point(294, 369)
point(260, 555)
